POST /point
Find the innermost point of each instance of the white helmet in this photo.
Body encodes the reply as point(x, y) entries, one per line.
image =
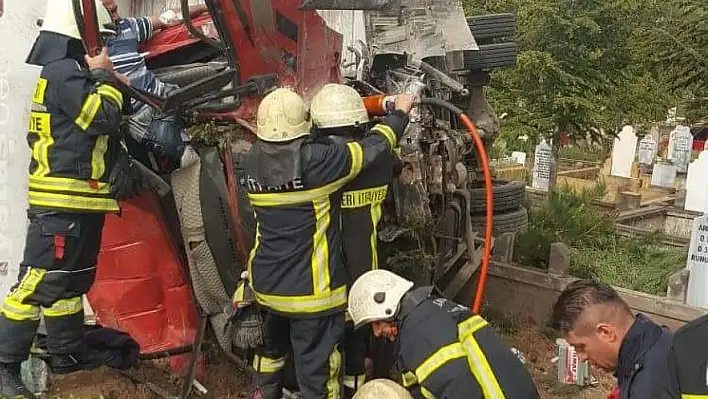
point(59, 18)
point(375, 296)
point(282, 116)
point(382, 388)
point(338, 105)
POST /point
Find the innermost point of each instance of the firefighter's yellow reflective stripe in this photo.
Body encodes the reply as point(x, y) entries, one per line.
point(438, 359)
point(408, 379)
point(366, 197)
point(239, 294)
point(67, 201)
point(39, 90)
point(64, 307)
point(335, 365)
point(13, 307)
point(265, 364)
point(397, 151)
point(112, 93)
point(40, 124)
point(354, 381)
point(48, 183)
point(470, 326)
point(387, 132)
point(320, 247)
point(88, 111)
point(481, 369)
point(254, 250)
point(300, 197)
point(98, 162)
point(690, 396)
point(306, 303)
point(375, 217)
point(426, 394)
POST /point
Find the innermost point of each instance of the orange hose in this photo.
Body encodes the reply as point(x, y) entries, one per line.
point(482, 152)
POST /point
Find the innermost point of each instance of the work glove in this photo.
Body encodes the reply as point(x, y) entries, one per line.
point(246, 319)
point(125, 179)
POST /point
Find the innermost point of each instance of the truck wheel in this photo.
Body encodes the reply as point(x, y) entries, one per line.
point(486, 28)
point(506, 196)
point(509, 222)
point(491, 56)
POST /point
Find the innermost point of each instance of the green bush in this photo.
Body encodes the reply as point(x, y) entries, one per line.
point(598, 251)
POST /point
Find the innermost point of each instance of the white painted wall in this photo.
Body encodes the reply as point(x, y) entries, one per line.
point(17, 81)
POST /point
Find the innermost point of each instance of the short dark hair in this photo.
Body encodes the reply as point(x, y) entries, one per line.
point(580, 295)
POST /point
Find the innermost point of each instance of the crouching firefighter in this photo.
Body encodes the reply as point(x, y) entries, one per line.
point(76, 172)
point(296, 266)
point(339, 115)
point(461, 357)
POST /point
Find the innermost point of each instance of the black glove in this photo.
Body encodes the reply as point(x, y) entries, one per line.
point(125, 180)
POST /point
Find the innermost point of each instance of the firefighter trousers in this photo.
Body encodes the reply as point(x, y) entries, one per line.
point(316, 353)
point(59, 266)
point(354, 355)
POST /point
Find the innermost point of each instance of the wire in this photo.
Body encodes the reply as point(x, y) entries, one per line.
point(479, 146)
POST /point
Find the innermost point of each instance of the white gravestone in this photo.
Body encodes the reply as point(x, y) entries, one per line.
point(663, 175)
point(518, 157)
point(543, 166)
point(623, 152)
point(696, 187)
point(680, 143)
point(647, 152)
point(697, 264)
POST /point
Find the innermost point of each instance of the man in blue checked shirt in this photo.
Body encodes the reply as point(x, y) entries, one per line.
point(164, 138)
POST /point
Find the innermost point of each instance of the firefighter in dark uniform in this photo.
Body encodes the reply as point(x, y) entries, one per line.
point(362, 203)
point(296, 265)
point(460, 357)
point(73, 176)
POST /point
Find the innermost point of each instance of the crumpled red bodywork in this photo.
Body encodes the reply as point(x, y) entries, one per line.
point(141, 286)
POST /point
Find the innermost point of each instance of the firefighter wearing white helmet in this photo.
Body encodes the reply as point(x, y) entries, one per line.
point(297, 272)
point(74, 171)
point(339, 115)
point(460, 358)
point(382, 388)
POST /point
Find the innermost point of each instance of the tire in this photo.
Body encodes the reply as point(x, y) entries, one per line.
point(506, 196)
point(486, 28)
point(509, 222)
point(491, 56)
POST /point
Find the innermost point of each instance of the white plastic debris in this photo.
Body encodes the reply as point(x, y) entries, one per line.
point(519, 354)
point(570, 369)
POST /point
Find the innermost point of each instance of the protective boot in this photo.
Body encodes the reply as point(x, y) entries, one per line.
point(11, 385)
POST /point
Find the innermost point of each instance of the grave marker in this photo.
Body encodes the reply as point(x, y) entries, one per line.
point(697, 264)
point(647, 152)
point(696, 187)
point(543, 166)
point(680, 144)
point(663, 175)
point(623, 152)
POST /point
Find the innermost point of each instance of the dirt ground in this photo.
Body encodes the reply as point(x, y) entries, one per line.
point(223, 380)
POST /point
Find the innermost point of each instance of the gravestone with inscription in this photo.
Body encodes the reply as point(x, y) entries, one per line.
point(623, 152)
point(543, 167)
point(663, 174)
point(697, 264)
point(647, 153)
point(680, 143)
point(696, 187)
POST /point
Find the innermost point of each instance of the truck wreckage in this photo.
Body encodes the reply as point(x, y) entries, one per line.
point(171, 261)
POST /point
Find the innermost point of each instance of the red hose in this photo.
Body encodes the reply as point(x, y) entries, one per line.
point(488, 228)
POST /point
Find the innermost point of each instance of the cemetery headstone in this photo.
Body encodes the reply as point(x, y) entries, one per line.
point(543, 166)
point(663, 175)
point(696, 187)
point(697, 264)
point(680, 144)
point(623, 152)
point(647, 153)
point(518, 157)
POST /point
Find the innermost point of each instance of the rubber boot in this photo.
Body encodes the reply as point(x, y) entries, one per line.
point(11, 385)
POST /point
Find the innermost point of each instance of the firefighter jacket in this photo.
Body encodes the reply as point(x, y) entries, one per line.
point(73, 117)
point(461, 358)
point(686, 376)
point(362, 206)
point(296, 265)
point(643, 358)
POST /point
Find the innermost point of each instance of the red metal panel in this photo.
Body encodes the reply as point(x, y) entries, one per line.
point(141, 287)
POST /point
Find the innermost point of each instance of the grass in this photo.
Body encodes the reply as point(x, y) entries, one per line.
point(597, 251)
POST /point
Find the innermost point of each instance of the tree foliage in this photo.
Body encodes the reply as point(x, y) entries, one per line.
point(588, 66)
